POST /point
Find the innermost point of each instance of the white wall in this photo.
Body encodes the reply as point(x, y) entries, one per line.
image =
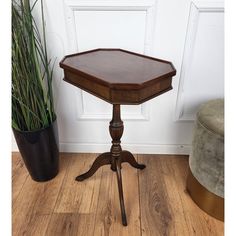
point(188, 33)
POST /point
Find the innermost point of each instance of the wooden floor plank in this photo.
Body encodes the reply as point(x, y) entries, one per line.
point(155, 199)
point(80, 197)
point(71, 224)
point(108, 216)
point(36, 202)
point(179, 225)
point(197, 221)
point(19, 175)
point(156, 213)
point(166, 207)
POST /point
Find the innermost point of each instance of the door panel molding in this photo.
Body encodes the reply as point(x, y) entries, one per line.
point(196, 8)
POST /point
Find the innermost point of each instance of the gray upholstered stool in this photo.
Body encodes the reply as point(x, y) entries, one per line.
point(205, 181)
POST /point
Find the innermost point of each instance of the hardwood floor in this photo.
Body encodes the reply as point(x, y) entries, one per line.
point(155, 199)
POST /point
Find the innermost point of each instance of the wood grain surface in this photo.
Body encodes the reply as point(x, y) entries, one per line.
point(156, 200)
point(118, 67)
point(118, 76)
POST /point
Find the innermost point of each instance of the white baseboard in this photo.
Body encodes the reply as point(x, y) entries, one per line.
point(134, 148)
point(14, 147)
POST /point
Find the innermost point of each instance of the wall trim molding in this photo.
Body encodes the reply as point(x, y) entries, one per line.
point(196, 8)
point(178, 149)
point(134, 148)
point(109, 5)
point(88, 4)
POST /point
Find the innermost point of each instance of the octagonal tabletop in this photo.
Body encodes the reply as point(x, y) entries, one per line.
point(118, 76)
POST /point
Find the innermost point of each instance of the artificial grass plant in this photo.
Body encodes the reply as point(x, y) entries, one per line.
point(32, 95)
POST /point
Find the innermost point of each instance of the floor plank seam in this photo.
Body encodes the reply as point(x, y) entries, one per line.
point(180, 197)
point(28, 176)
point(59, 192)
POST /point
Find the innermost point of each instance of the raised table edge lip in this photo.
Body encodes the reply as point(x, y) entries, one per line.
point(117, 86)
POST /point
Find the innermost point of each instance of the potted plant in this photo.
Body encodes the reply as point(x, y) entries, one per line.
point(33, 115)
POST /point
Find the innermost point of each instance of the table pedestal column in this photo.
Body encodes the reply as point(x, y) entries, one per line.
point(115, 157)
point(116, 130)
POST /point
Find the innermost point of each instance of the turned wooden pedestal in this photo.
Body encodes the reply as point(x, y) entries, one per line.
point(119, 77)
point(115, 157)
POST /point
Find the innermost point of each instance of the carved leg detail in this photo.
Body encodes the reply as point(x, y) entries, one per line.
point(128, 157)
point(101, 160)
point(115, 157)
point(120, 188)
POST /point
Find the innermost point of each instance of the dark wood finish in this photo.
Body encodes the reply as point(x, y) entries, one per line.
point(101, 160)
point(118, 77)
point(106, 159)
point(115, 157)
point(110, 73)
point(129, 158)
point(120, 188)
point(116, 129)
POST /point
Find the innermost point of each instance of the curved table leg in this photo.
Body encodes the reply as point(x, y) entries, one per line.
point(128, 157)
point(120, 188)
point(101, 160)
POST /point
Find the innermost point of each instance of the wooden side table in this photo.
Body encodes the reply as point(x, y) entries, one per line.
point(119, 77)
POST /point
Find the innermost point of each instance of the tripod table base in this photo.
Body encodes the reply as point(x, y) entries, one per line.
point(106, 159)
point(114, 158)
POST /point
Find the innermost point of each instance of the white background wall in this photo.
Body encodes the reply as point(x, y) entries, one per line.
point(188, 33)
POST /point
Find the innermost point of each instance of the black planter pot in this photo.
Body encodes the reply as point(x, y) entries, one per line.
point(40, 151)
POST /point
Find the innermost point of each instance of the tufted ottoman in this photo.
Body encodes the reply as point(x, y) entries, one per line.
point(205, 181)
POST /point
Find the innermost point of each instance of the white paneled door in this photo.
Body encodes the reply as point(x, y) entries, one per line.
point(188, 33)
